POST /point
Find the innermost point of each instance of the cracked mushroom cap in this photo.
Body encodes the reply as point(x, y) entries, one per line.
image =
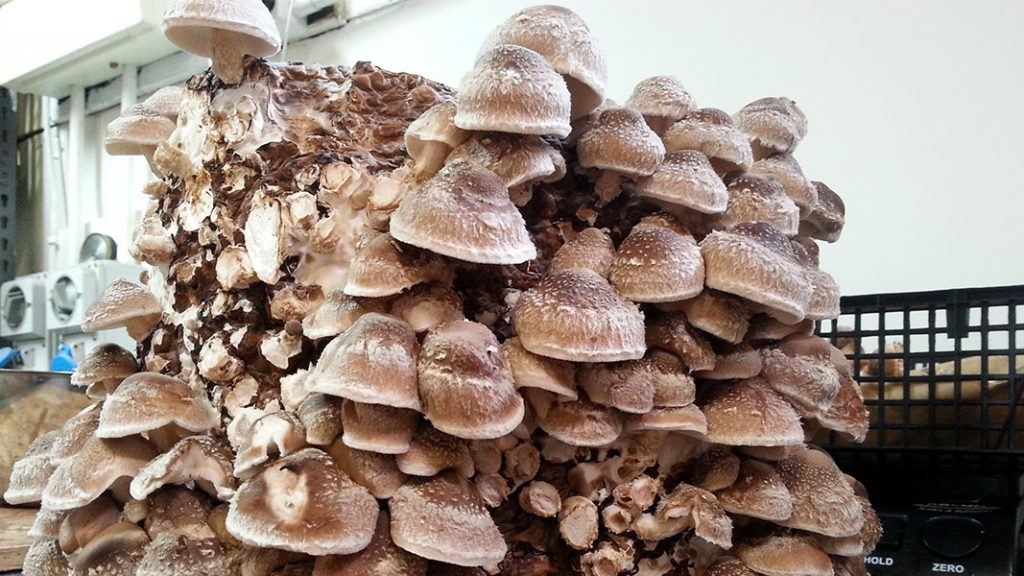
point(337, 314)
point(711, 132)
point(432, 451)
point(656, 264)
point(563, 38)
point(662, 100)
point(30, 474)
point(685, 419)
point(721, 315)
point(44, 558)
point(823, 501)
point(105, 362)
point(293, 504)
point(96, 467)
point(530, 370)
point(444, 519)
point(378, 473)
point(74, 433)
point(591, 248)
point(716, 469)
point(381, 558)
point(686, 178)
point(756, 199)
point(827, 216)
point(755, 261)
point(671, 333)
point(577, 315)
point(223, 30)
point(750, 413)
point(786, 170)
point(137, 132)
point(430, 138)
point(784, 555)
point(147, 401)
point(581, 423)
point(127, 304)
point(321, 416)
point(622, 142)
point(464, 212)
point(378, 428)
point(758, 492)
point(772, 125)
point(737, 362)
point(516, 159)
point(202, 460)
point(382, 266)
point(185, 555)
point(166, 101)
point(466, 384)
point(116, 551)
point(374, 362)
point(514, 90)
point(427, 306)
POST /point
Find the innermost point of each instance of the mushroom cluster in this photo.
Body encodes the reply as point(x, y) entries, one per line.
point(519, 330)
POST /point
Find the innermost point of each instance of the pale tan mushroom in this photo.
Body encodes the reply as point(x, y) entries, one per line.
point(827, 216)
point(123, 304)
point(137, 132)
point(672, 333)
point(44, 558)
point(74, 433)
point(116, 551)
point(81, 525)
point(337, 314)
point(30, 474)
point(786, 170)
point(99, 464)
point(716, 469)
point(430, 138)
point(581, 423)
point(274, 433)
point(753, 198)
point(148, 401)
point(521, 161)
point(427, 306)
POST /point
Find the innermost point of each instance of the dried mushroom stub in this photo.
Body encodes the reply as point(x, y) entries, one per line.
point(518, 330)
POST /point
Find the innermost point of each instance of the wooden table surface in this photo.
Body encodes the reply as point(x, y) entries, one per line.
point(14, 540)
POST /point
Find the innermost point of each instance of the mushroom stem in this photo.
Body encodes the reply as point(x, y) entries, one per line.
point(608, 186)
point(164, 437)
point(139, 328)
point(227, 59)
point(431, 160)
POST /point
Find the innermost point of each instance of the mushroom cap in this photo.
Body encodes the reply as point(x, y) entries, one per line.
point(293, 504)
point(74, 433)
point(466, 384)
point(374, 362)
point(737, 362)
point(377, 427)
point(338, 312)
point(106, 361)
point(464, 212)
point(381, 266)
point(712, 132)
point(686, 419)
point(139, 129)
point(44, 558)
point(166, 101)
point(432, 452)
point(581, 423)
point(671, 332)
point(274, 433)
point(848, 414)
point(513, 89)
point(147, 401)
point(721, 315)
point(101, 462)
point(530, 370)
point(827, 216)
point(437, 124)
point(765, 327)
point(775, 124)
point(686, 178)
point(758, 492)
point(46, 524)
point(177, 509)
point(756, 199)
point(661, 97)
point(784, 555)
point(427, 306)
point(786, 170)
point(755, 261)
point(196, 26)
point(516, 159)
point(321, 416)
point(823, 501)
point(628, 386)
point(381, 558)
point(563, 38)
point(673, 385)
point(577, 315)
point(590, 248)
point(379, 473)
point(622, 142)
point(728, 566)
point(122, 303)
point(656, 264)
point(199, 459)
point(30, 474)
point(716, 469)
point(824, 302)
point(444, 519)
point(750, 413)
point(811, 381)
point(185, 555)
point(117, 551)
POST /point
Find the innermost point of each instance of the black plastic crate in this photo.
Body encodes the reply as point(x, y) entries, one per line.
point(942, 374)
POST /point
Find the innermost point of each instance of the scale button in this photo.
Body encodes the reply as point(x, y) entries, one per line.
point(952, 536)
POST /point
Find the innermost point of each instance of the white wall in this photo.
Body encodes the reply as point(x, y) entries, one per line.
point(915, 107)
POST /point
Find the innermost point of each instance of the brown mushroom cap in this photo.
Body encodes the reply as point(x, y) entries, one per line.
point(827, 216)
point(147, 401)
point(737, 362)
point(137, 132)
point(432, 452)
point(685, 178)
point(758, 492)
point(581, 423)
point(848, 414)
point(199, 459)
point(628, 386)
point(338, 312)
point(670, 332)
point(530, 370)
point(185, 555)
point(662, 100)
point(381, 558)
point(126, 304)
point(30, 473)
point(516, 159)
point(686, 419)
point(46, 524)
point(756, 199)
point(444, 519)
point(590, 248)
point(673, 386)
point(750, 413)
point(374, 362)
point(563, 38)
point(293, 504)
point(622, 142)
point(101, 462)
point(784, 555)
point(728, 566)
point(718, 314)
point(466, 384)
point(382, 266)
point(430, 138)
point(765, 327)
point(44, 558)
point(772, 124)
point(428, 306)
point(378, 473)
point(377, 427)
point(711, 132)
point(801, 369)
point(105, 362)
point(464, 212)
point(823, 501)
point(225, 31)
point(166, 101)
point(513, 89)
point(786, 170)
point(755, 261)
point(74, 433)
point(656, 264)
point(716, 469)
point(116, 551)
point(577, 315)
point(321, 416)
